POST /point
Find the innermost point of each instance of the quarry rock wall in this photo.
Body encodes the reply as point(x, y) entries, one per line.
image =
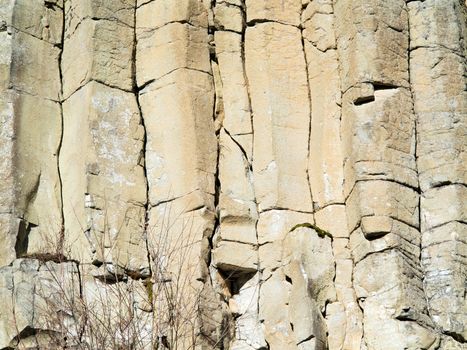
point(233, 174)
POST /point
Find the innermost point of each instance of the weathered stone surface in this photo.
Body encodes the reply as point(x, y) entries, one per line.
point(32, 299)
point(237, 207)
point(181, 148)
point(104, 187)
point(30, 134)
point(191, 11)
point(77, 11)
point(393, 298)
point(443, 259)
point(228, 17)
point(233, 174)
point(104, 49)
point(174, 46)
point(372, 39)
point(279, 97)
point(326, 161)
point(287, 12)
point(437, 73)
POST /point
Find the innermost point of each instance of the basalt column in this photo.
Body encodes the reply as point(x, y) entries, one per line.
point(437, 73)
point(30, 128)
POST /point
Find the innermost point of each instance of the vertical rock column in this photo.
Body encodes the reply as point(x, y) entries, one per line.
point(101, 159)
point(326, 167)
point(235, 253)
point(30, 128)
point(437, 71)
point(176, 94)
point(381, 185)
point(277, 76)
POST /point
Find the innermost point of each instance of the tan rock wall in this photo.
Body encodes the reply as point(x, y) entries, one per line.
point(233, 174)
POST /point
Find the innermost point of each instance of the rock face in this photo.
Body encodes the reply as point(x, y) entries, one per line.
point(233, 174)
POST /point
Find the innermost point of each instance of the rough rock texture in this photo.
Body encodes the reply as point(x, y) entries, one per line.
point(233, 174)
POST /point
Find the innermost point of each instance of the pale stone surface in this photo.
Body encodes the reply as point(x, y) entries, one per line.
point(184, 141)
point(104, 188)
point(281, 11)
point(104, 49)
point(378, 133)
point(42, 22)
point(228, 17)
point(237, 107)
point(443, 252)
point(30, 129)
point(372, 42)
point(34, 66)
point(332, 219)
point(38, 188)
point(279, 97)
point(393, 298)
point(191, 11)
point(181, 148)
point(174, 46)
point(77, 11)
point(30, 296)
point(237, 207)
point(326, 160)
point(437, 67)
point(383, 199)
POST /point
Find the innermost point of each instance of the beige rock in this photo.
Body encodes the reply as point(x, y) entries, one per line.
point(402, 237)
point(248, 328)
point(228, 17)
point(442, 259)
point(319, 31)
point(77, 11)
point(436, 74)
point(234, 256)
point(382, 199)
point(281, 116)
point(333, 220)
point(378, 132)
point(181, 148)
point(235, 96)
point(174, 46)
point(31, 131)
point(196, 135)
point(435, 211)
point(393, 298)
point(34, 66)
point(37, 19)
point(326, 160)
point(31, 297)
point(281, 11)
point(316, 264)
point(372, 40)
point(38, 186)
point(437, 65)
point(312, 7)
point(273, 311)
point(151, 15)
point(274, 225)
point(237, 207)
point(104, 50)
point(336, 324)
point(104, 188)
point(429, 27)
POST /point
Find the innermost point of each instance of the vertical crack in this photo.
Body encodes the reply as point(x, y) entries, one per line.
point(61, 240)
point(309, 120)
point(247, 86)
point(145, 139)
